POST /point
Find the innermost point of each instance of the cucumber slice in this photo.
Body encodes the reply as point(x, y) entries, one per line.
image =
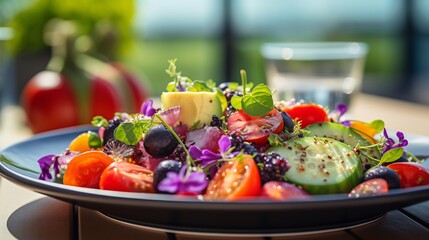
point(321, 165)
point(346, 135)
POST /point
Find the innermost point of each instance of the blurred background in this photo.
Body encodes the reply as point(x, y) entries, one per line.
point(213, 39)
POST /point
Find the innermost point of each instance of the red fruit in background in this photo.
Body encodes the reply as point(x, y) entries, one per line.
point(77, 87)
point(49, 102)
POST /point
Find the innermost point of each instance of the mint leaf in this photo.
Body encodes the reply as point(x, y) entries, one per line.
point(99, 121)
point(199, 86)
point(94, 140)
point(378, 125)
point(131, 132)
point(236, 102)
point(391, 155)
point(259, 102)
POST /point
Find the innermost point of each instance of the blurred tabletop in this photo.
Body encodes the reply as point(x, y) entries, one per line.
point(28, 215)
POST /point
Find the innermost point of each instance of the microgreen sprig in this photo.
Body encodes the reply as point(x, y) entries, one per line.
point(256, 103)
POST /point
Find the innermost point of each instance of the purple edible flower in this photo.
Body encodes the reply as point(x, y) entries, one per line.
point(338, 113)
point(208, 157)
point(390, 142)
point(45, 164)
point(194, 182)
point(147, 108)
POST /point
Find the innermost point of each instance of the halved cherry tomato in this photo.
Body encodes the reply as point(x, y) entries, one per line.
point(237, 179)
point(85, 169)
point(307, 113)
point(372, 187)
point(411, 174)
point(277, 190)
point(256, 129)
point(127, 177)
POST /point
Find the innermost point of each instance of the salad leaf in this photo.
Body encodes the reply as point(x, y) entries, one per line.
point(94, 140)
point(99, 121)
point(378, 125)
point(131, 132)
point(391, 155)
point(257, 103)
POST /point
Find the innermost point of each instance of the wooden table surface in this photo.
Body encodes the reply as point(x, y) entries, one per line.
point(28, 215)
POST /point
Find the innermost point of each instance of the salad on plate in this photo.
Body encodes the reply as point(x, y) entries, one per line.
point(233, 142)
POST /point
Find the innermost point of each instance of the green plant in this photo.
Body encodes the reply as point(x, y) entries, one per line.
point(29, 24)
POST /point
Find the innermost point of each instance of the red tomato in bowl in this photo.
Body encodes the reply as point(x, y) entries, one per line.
point(255, 129)
point(127, 177)
point(237, 179)
point(411, 174)
point(307, 114)
point(372, 187)
point(85, 169)
point(277, 190)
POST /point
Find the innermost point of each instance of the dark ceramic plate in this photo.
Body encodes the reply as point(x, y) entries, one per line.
point(19, 165)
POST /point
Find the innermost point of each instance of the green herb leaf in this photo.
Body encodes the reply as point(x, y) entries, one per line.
point(274, 139)
point(378, 125)
point(94, 140)
point(99, 121)
point(131, 132)
point(259, 102)
point(199, 86)
point(391, 155)
point(236, 102)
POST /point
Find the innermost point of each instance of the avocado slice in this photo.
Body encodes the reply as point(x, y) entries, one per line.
point(195, 107)
point(321, 165)
point(346, 135)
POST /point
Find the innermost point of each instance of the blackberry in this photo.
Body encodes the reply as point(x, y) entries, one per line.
point(216, 122)
point(237, 141)
point(250, 149)
point(122, 152)
point(272, 166)
point(109, 131)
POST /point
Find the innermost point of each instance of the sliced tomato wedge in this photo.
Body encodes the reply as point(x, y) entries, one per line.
point(255, 129)
point(237, 179)
point(127, 177)
point(307, 113)
point(411, 174)
point(373, 187)
point(85, 169)
point(277, 190)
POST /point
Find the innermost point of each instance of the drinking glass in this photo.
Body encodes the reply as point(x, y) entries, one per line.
point(326, 73)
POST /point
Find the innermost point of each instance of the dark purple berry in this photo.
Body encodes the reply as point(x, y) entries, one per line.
point(386, 173)
point(161, 171)
point(272, 166)
point(159, 142)
point(216, 122)
point(288, 122)
point(109, 131)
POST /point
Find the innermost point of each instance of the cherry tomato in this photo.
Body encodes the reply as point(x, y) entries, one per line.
point(127, 177)
point(237, 179)
point(411, 174)
point(277, 190)
point(373, 187)
point(85, 169)
point(307, 113)
point(256, 129)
